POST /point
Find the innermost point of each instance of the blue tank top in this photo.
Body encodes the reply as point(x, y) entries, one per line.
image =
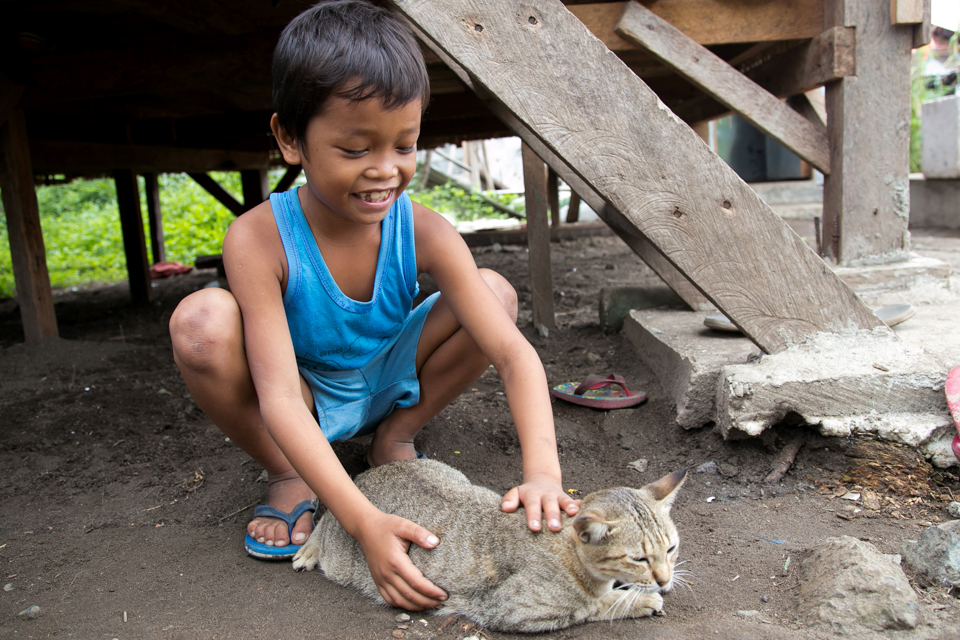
point(330, 331)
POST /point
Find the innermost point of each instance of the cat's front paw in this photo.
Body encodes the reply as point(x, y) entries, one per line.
point(308, 557)
point(647, 605)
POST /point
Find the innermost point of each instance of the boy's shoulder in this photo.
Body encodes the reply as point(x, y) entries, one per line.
point(254, 230)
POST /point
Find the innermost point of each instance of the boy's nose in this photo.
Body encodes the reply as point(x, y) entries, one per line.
point(384, 168)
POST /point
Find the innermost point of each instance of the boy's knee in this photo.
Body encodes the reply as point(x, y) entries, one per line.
point(202, 326)
point(503, 290)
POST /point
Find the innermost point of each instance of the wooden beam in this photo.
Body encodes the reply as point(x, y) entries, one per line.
point(24, 233)
point(538, 240)
point(906, 11)
point(553, 197)
point(922, 33)
point(713, 21)
point(866, 198)
point(222, 195)
point(651, 167)
point(10, 95)
point(89, 158)
point(573, 208)
point(256, 187)
point(201, 19)
point(134, 245)
point(608, 213)
point(287, 179)
point(155, 217)
point(712, 74)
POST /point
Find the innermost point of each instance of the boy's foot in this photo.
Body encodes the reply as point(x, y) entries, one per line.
point(285, 493)
point(383, 450)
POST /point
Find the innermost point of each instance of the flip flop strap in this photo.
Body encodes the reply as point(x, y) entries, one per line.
point(597, 383)
point(290, 518)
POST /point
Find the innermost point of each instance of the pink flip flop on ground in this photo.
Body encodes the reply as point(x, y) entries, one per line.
point(598, 393)
point(952, 388)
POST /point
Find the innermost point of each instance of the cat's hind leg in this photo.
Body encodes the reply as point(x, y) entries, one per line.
point(627, 603)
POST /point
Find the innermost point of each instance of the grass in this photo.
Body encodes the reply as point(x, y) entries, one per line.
point(81, 225)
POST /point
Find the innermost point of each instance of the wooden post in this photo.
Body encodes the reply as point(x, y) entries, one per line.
point(23, 228)
point(256, 187)
point(553, 195)
point(538, 240)
point(866, 197)
point(134, 246)
point(573, 208)
point(155, 218)
point(288, 178)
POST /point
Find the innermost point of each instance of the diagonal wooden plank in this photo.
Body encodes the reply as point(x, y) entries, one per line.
point(652, 168)
point(727, 85)
point(224, 197)
point(613, 218)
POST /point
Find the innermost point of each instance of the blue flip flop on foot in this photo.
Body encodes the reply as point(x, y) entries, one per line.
point(270, 552)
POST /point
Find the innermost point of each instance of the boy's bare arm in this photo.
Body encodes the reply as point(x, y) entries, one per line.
point(442, 253)
point(252, 254)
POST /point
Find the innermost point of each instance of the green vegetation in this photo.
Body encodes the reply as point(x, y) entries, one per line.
point(81, 224)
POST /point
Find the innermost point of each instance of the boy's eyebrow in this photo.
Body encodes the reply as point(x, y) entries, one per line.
point(359, 131)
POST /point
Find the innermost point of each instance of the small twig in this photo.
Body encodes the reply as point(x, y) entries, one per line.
point(230, 515)
point(787, 456)
point(73, 377)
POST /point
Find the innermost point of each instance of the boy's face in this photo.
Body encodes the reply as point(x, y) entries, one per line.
point(357, 157)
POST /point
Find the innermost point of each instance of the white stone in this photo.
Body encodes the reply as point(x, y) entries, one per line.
point(940, 134)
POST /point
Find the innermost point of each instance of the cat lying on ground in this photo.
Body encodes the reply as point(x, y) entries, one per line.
point(611, 561)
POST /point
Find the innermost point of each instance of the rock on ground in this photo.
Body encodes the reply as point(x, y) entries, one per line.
point(847, 583)
point(937, 554)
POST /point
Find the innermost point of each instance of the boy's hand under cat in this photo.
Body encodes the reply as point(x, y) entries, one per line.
point(540, 496)
point(385, 540)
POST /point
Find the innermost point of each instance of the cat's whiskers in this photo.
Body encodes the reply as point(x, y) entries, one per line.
point(624, 604)
point(680, 577)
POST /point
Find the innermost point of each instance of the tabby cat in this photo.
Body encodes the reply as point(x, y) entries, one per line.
point(611, 561)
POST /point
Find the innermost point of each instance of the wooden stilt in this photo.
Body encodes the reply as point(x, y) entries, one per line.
point(23, 228)
point(553, 195)
point(538, 240)
point(155, 216)
point(288, 178)
point(256, 187)
point(134, 245)
point(573, 208)
point(866, 197)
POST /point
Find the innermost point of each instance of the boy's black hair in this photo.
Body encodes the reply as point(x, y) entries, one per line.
point(348, 48)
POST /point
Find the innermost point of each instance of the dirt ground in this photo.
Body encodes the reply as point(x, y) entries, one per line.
point(122, 508)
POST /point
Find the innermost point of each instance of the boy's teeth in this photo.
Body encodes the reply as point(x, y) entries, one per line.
point(374, 196)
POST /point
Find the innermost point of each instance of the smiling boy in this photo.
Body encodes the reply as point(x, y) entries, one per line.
point(317, 340)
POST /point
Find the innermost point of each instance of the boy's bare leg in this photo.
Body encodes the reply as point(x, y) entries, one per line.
point(448, 361)
point(207, 334)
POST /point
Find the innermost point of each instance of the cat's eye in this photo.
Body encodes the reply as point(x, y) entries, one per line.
point(640, 560)
point(672, 549)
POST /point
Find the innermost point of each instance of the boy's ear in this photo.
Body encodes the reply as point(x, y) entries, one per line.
point(289, 145)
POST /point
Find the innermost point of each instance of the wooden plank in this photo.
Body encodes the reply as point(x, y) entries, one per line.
point(88, 158)
point(651, 167)
point(553, 196)
point(538, 240)
point(573, 208)
point(727, 85)
point(803, 105)
point(24, 233)
point(713, 21)
point(906, 11)
point(826, 58)
point(222, 195)
point(256, 187)
point(288, 178)
point(922, 33)
point(613, 218)
point(134, 245)
point(155, 217)
point(866, 199)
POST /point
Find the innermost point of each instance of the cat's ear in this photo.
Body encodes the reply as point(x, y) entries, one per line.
point(665, 489)
point(590, 528)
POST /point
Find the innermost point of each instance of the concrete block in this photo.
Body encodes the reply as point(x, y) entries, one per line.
point(616, 303)
point(916, 272)
point(686, 357)
point(934, 203)
point(940, 135)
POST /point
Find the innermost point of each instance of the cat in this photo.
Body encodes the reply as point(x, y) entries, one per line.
point(611, 561)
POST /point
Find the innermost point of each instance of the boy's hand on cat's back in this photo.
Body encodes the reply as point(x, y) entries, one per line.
point(385, 540)
point(540, 496)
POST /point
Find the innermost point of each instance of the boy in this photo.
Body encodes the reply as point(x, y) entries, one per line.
point(317, 341)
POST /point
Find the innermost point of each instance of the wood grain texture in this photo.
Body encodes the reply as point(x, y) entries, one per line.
point(613, 218)
point(27, 252)
point(538, 239)
point(134, 243)
point(866, 199)
point(906, 11)
point(713, 21)
point(91, 158)
point(713, 75)
point(653, 170)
